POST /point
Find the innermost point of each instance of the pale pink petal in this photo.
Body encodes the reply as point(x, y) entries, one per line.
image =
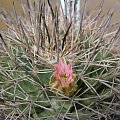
point(62, 69)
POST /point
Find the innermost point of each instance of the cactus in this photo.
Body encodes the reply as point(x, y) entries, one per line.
point(44, 43)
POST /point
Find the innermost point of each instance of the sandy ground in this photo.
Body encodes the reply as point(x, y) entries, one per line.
point(91, 6)
point(108, 4)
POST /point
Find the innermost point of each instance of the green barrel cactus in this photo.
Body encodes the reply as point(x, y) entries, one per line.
point(52, 67)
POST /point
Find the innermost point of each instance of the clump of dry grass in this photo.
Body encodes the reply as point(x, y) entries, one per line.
point(36, 41)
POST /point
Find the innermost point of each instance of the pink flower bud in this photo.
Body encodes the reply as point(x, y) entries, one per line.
point(63, 78)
